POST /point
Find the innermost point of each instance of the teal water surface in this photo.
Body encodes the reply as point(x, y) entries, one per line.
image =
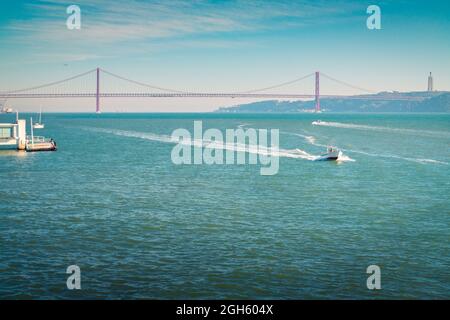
point(111, 201)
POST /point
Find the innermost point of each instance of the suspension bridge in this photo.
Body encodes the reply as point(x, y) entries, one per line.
point(71, 87)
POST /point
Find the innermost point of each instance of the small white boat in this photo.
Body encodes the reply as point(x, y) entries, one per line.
point(39, 124)
point(7, 110)
point(333, 153)
point(316, 123)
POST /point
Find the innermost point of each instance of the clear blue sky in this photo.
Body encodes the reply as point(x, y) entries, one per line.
point(224, 46)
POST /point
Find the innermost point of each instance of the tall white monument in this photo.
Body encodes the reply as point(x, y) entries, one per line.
point(430, 83)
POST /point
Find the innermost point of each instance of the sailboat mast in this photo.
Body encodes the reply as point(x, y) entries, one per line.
point(32, 133)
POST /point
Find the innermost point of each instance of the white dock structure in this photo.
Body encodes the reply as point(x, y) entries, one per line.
point(13, 135)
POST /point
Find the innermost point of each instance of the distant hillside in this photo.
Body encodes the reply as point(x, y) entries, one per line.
point(437, 102)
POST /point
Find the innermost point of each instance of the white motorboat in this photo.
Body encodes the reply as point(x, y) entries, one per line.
point(316, 123)
point(333, 153)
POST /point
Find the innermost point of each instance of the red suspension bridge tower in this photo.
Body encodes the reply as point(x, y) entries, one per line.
point(317, 93)
point(97, 96)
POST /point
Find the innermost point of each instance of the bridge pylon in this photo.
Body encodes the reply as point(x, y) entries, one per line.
point(97, 95)
point(317, 92)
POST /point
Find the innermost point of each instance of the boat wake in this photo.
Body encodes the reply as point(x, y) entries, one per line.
point(286, 153)
point(236, 147)
point(312, 141)
point(428, 133)
point(242, 125)
point(392, 156)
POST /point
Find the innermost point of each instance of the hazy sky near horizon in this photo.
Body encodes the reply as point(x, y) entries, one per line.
point(222, 46)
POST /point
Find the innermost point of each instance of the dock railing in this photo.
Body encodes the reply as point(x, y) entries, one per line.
point(37, 139)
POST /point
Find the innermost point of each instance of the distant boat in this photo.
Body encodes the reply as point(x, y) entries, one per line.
point(316, 123)
point(7, 110)
point(39, 124)
point(333, 153)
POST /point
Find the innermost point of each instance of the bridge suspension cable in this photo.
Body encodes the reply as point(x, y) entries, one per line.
point(142, 84)
point(277, 85)
point(189, 92)
point(346, 84)
point(51, 83)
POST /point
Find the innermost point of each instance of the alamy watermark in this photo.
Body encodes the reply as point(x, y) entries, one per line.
point(74, 280)
point(73, 22)
point(374, 280)
point(374, 20)
point(210, 147)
